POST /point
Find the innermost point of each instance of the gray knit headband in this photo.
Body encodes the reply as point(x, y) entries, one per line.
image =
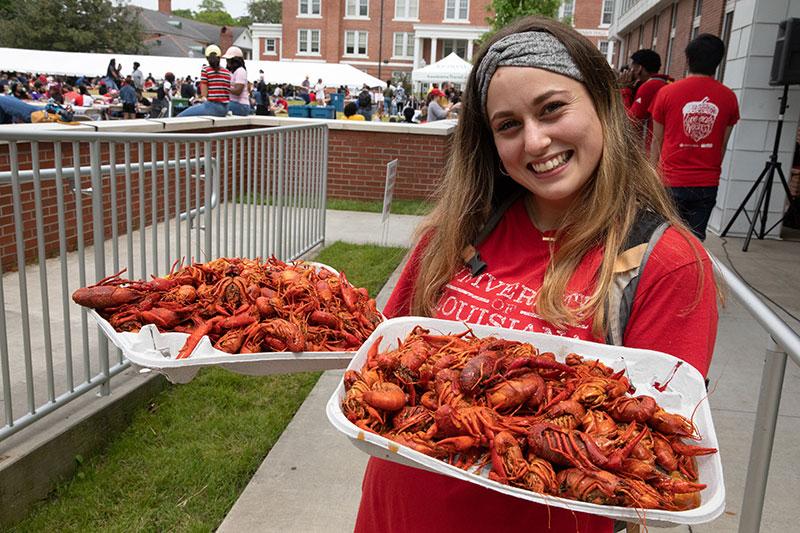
point(537, 49)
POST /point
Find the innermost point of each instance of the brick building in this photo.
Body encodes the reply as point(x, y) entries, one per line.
point(411, 33)
point(749, 29)
point(667, 26)
point(591, 18)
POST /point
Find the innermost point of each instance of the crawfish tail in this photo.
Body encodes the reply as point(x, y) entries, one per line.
point(104, 296)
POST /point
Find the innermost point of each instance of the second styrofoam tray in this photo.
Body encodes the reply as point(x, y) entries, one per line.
point(152, 350)
point(645, 367)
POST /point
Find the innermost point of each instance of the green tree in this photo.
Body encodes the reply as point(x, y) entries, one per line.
point(218, 18)
point(211, 5)
point(72, 26)
point(213, 12)
point(269, 11)
point(184, 13)
point(506, 11)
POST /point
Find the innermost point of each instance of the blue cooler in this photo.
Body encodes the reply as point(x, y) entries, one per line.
point(323, 111)
point(299, 111)
point(337, 101)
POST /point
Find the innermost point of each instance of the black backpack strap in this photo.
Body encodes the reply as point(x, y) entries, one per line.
point(470, 254)
point(642, 238)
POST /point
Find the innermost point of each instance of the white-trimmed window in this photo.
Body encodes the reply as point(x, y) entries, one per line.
point(355, 43)
point(308, 42)
point(357, 9)
point(309, 8)
point(459, 46)
point(270, 46)
point(566, 13)
point(406, 10)
point(403, 45)
point(654, 40)
point(608, 13)
point(456, 10)
point(672, 23)
point(607, 49)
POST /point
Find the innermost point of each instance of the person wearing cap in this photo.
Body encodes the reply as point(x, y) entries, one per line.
point(438, 106)
point(544, 184)
point(215, 87)
point(240, 94)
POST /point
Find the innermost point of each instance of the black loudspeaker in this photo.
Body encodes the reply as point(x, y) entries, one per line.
point(786, 61)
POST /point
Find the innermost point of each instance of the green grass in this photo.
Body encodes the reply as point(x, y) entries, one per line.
point(187, 456)
point(399, 207)
point(366, 265)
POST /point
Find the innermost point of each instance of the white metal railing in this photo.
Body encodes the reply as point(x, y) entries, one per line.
point(146, 200)
point(783, 343)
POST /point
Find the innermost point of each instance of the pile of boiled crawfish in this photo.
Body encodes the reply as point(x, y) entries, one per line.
point(242, 305)
point(569, 429)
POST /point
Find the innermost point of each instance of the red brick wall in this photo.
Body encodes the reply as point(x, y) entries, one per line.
point(357, 164)
point(587, 13)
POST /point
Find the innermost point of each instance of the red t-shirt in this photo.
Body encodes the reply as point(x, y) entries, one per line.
point(639, 109)
point(695, 112)
point(666, 316)
point(219, 83)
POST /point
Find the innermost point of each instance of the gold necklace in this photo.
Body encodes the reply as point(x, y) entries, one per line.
point(531, 214)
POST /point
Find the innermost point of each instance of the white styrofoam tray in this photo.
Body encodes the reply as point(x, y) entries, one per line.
point(685, 392)
point(155, 351)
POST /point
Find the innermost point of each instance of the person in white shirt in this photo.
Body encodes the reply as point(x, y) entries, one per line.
point(319, 90)
point(239, 103)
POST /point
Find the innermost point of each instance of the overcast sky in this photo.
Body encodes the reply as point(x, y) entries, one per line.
point(236, 8)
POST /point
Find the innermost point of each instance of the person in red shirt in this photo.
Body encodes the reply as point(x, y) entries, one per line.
point(692, 120)
point(544, 131)
point(642, 83)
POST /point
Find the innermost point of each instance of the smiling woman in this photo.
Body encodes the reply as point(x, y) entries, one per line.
point(545, 190)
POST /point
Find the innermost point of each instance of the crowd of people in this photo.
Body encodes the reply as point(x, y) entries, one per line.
point(219, 89)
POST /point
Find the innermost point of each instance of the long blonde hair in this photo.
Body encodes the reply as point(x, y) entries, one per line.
point(623, 183)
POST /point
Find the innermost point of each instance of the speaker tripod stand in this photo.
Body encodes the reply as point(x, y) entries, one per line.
point(767, 175)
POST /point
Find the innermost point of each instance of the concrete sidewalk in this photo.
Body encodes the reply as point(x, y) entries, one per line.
point(311, 480)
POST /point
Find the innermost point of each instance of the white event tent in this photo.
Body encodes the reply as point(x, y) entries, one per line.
point(91, 64)
point(451, 68)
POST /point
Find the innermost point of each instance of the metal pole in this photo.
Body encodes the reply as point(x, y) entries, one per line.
point(208, 183)
point(769, 400)
point(98, 236)
point(380, 43)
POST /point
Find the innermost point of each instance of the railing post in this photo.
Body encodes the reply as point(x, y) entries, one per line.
point(209, 174)
point(279, 197)
point(769, 400)
point(98, 236)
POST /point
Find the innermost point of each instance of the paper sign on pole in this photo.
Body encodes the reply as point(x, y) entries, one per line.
point(388, 192)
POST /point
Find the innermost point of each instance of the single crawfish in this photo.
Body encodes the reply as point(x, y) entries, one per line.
point(671, 424)
point(508, 395)
point(632, 409)
point(509, 466)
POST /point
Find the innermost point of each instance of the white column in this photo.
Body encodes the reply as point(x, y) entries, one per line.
point(469, 49)
point(433, 51)
point(417, 50)
point(751, 142)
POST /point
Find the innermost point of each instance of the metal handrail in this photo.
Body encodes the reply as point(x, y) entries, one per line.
point(260, 191)
point(106, 170)
point(783, 343)
point(116, 136)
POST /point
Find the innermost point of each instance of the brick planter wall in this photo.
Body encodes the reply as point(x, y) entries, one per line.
point(357, 164)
